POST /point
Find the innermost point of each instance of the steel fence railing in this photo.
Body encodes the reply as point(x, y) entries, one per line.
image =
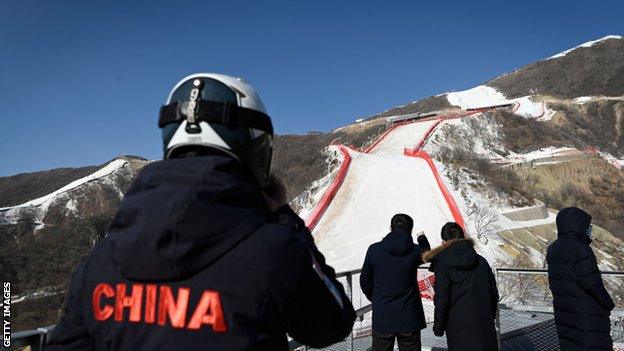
point(33, 340)
point(361, 335)
point(526, 302)
point(359, 338)
point(524, 319)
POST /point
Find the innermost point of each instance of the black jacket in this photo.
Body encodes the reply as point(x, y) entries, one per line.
point(580, 300)
point(465, 298)
point(193, 260)
point(388, 280)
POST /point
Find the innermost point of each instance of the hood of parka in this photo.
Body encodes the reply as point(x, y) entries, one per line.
point(181, 215)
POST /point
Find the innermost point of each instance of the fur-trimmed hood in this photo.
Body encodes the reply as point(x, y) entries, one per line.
point(456, 253)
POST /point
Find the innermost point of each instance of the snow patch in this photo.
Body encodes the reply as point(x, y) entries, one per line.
point(614, 161)
point(104, 171)
point(549, 155)
point(582, 99)
point(485, 96)
point(528, 108)
point(37, 209)
point(480, 96)
point(584, 45)
point(72, 206)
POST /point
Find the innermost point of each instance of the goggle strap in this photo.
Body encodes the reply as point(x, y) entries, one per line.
point(227, 113)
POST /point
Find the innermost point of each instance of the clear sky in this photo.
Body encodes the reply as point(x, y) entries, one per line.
point(81, 81)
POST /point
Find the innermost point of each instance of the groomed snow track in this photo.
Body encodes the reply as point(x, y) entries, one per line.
point(394, 175)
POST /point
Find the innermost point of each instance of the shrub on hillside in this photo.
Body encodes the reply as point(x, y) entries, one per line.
point(522, 134)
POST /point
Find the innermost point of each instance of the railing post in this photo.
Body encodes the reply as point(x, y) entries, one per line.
point(498, 327)
point(350, 286)
point(351, 340)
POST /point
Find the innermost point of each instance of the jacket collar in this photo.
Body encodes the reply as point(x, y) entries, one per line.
point(430, 255)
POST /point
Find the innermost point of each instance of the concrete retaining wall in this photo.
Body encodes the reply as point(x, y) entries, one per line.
point(528, 214)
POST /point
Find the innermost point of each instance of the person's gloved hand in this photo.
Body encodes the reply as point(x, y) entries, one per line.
point(438, 331)
point(423, 242)
point(274, 195)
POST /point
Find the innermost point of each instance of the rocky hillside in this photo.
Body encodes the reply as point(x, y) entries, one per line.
point(43, 240)
point(594, 68)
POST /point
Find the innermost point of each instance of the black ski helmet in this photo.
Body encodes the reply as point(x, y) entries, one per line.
point(222, 113)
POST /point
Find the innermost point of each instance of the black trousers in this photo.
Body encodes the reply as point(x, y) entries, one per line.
point(406, 341)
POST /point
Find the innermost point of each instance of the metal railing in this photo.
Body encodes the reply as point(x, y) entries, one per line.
point(360, 337)
point(526, 316)
point(34, 339)
point(524, 319)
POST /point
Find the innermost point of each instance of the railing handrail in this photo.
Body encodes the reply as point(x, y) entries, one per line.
point(532, 270)
point(359, 270)
point(346, 273)
point(36, 338)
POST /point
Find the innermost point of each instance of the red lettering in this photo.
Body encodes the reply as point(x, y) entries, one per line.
point(133, 301)
point(161, 306)
point(102, 313)
point(150, 303)
point(209, 311)
point(176, 310)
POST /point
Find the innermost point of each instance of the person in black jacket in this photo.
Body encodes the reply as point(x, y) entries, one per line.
point(465, 290)
point(581, 302)
point(388, 280)
point(204, 252)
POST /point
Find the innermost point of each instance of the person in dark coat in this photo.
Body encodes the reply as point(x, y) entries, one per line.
point(582, 304)
point(389, 281)
point(204, 252)
point(465, 290)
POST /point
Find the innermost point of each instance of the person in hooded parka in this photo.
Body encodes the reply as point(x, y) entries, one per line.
point(581, 303)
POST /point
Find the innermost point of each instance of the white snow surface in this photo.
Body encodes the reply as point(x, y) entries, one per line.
point(584, 45)
point(480, 96)
point(376, 188)
point(541, 154)
point(485, 96)
point(533, 109)
point(406, 136)
point(104, 171)
point(319, 186)
point(39, 207)
point(582, 99)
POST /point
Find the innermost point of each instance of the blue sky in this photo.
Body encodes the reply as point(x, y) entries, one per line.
point(81, 81)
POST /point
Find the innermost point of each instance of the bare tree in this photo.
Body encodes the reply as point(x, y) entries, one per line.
point(484, 221)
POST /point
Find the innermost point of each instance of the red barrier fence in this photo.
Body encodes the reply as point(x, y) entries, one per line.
point(425, 286)
point(422, 142)
point(450, 201)
point(330, 193)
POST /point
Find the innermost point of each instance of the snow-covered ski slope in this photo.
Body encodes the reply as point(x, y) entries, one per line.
point(408, 135)
point(378, 185)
